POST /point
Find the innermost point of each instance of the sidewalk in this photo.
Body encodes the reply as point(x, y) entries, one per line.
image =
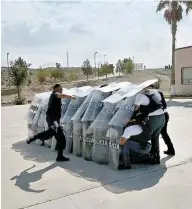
point(86, 185)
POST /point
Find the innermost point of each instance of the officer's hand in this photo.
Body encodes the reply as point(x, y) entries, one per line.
point(122, 141)
point(73, 97)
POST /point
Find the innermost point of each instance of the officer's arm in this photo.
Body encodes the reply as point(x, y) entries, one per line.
point(125, 136)
point(65, 96)
point(122, 141)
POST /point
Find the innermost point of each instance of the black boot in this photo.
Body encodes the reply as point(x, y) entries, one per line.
point(126, 164)
point(61, 157)
point(31, 139)
point(170, 150)
point(154, 159)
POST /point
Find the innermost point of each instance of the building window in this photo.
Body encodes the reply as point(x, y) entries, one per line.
point(186, 76)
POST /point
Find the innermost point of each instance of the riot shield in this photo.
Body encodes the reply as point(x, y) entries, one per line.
point(73, 106)
point(119, 120)
point(77, 126)
point(68, 124)
point(99, 129)
point(68, 132)
point(89, 116)
point(64, 107)
point(114, 134)
point(87, 142)
point(77, 138)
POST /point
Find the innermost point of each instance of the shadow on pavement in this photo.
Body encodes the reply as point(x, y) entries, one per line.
point(114, 181)
point(25, 178)
point(187, 104)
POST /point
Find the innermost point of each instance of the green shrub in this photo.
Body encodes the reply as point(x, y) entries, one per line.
point(72, 76)
point(18, 74)
point(57, 74)
point(42, 76)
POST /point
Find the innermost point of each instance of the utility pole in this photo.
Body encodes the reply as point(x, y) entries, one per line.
point(8, 68)
point(98, 65)
point(134, 62)
point(8, 61)
point(95, 63)
point(67, 60)
point(104, 58)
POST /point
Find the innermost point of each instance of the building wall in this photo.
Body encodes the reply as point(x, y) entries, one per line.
point(183, 58)
point(138, 66)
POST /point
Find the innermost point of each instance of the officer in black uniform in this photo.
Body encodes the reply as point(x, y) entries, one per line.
point(53, 116)
point(164, 134)
point(134, 143)
point(150, 105)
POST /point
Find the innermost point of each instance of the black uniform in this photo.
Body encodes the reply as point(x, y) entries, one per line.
point(54, 109)
point(164, 133)
point(137, 148)
point(53, 114)
point(156, 123)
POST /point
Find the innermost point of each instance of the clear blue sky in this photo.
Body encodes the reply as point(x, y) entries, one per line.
point(42, 32)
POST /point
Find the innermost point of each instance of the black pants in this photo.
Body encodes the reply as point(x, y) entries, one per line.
point(46, 135)
point(164, 133)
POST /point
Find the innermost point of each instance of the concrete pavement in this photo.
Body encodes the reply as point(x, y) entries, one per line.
point(86, 185)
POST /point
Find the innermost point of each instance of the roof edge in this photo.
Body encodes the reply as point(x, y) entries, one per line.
point(184, 47)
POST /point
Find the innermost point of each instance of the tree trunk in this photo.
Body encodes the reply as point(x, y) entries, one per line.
point(173, 31)
point(87, 77)
point(19, 92)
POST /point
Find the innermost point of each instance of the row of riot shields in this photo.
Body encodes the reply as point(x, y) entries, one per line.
point(93, 123)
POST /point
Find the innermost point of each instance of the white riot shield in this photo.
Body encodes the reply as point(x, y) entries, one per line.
point(64, 107)
point(68, 124)
point(77, 138)
point(91, 113)
point(119, 120)
point(95, 105)
point(77, 126)
point(99, 129)
point(36, 117)
point(87, 142)
point(68, 132)
point(53, 144)
point(114, 134)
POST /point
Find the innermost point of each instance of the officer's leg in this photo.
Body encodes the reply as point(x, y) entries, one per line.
point(140, 153)
point(45, 135)
point(125, 155)
point(156, 124)
point(131, 145)
point(61, 142)
point(166, 137)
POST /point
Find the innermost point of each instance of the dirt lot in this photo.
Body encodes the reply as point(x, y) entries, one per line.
point(135, 77)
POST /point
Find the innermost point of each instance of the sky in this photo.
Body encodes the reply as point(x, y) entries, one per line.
point(42, 32)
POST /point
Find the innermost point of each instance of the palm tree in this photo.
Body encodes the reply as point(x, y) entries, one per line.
point(173, 13)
